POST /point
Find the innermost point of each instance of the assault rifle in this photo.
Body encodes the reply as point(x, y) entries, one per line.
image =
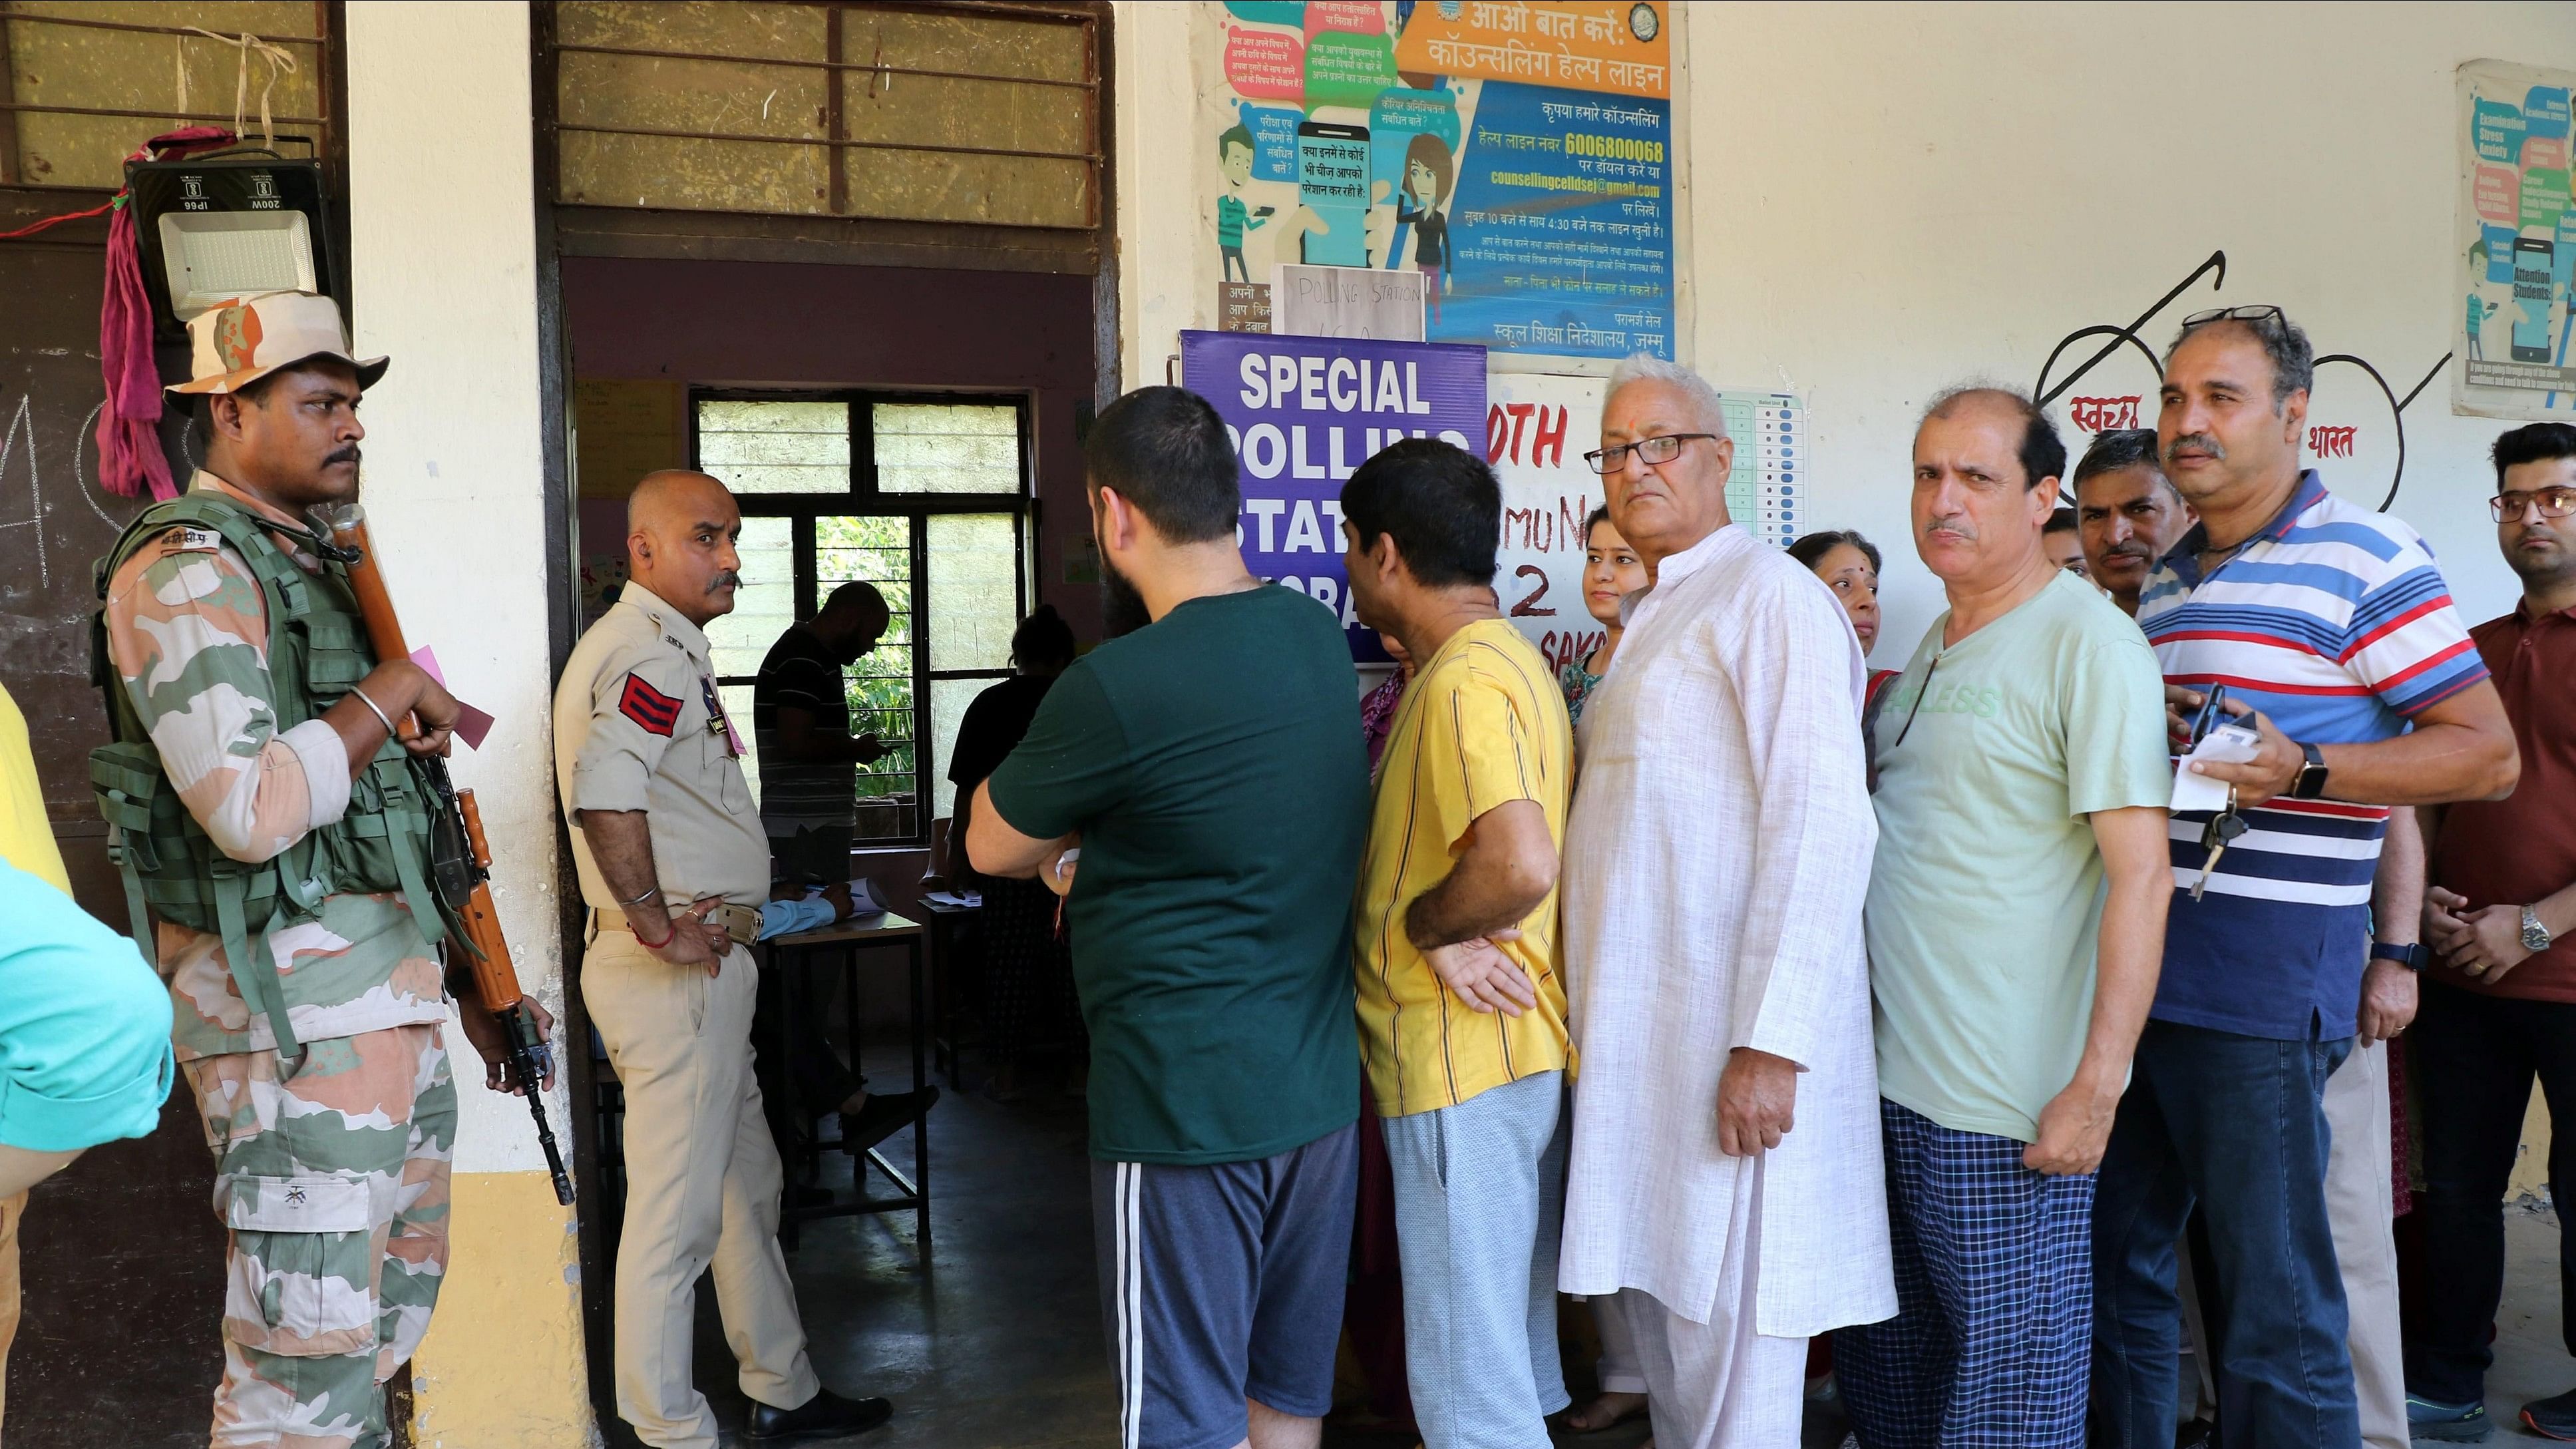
point(460, 859)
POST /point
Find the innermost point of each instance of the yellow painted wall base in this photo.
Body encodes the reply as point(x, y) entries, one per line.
point(502, 1367)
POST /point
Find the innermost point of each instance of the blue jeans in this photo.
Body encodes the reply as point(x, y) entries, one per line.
point(2237, 1124)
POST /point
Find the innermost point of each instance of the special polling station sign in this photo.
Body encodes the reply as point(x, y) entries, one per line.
point(1303, 413)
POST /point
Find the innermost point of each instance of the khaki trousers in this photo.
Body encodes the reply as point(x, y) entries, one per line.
point(2359, 1204)
point(702, 1183)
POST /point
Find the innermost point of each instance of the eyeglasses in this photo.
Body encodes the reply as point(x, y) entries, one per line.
point(1908, 727)
point(2553, 503)
point(2251, 312)
point(1648, 450)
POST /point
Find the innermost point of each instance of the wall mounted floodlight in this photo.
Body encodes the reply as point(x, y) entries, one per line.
point(213, 228)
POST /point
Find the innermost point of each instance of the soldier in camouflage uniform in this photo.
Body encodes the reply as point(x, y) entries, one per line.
point(333, 1128)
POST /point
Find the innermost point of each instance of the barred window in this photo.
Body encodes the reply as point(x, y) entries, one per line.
point(924, 496)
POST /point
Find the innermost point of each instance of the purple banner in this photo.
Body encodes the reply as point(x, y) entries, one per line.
point(1303, 413)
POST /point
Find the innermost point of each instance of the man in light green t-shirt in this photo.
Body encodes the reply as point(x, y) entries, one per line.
point(2016, 922)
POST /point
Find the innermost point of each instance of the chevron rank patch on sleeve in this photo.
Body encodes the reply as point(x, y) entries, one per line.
point(650, 708)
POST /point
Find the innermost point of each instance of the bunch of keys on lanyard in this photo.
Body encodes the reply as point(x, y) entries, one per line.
point(2215, 837)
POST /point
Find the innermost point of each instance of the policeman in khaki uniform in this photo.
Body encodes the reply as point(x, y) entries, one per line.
point(675, 867)
point(275, 844)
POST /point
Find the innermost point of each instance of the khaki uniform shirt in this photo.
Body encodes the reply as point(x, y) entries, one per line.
point(639, 726)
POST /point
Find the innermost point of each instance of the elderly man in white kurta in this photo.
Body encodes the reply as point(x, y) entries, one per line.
point(1725, 1180)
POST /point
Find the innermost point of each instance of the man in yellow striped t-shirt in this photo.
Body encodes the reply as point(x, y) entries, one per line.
point(1462, 1013)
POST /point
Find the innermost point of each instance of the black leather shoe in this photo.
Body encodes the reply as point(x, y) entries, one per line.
point(882, 1116)
point(825, 1416)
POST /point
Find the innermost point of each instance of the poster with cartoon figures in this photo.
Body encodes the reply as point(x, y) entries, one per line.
point(1518, 154)
point(2517, 242)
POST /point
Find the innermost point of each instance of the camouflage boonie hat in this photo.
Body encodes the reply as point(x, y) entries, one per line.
point(234, 344)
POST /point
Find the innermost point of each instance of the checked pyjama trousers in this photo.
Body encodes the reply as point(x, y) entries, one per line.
point(1993, 1330)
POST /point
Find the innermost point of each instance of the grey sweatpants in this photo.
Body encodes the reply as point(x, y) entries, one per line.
point(1479, 1205)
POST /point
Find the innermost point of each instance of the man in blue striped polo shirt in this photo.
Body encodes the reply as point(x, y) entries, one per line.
point(2332, 626)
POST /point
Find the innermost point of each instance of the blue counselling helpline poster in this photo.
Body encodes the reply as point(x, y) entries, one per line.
point(1563, 225)
point(1303, 413)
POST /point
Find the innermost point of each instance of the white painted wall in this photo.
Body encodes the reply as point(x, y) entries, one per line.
point(443, 243)
point(1886, 199)
point(1892, 198)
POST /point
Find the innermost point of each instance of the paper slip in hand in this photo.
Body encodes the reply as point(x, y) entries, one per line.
point(471, 724)
point(2231, 744)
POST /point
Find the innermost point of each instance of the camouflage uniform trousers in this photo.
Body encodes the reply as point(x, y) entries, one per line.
point(332, 1178)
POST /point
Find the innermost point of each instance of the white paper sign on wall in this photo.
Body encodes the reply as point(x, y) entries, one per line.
point(1384, 306)
point(1538, 426)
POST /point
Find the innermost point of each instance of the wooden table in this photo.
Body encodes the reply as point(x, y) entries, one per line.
point(846, 940)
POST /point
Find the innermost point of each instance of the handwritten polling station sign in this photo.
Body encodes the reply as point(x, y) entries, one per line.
point(1303, 414)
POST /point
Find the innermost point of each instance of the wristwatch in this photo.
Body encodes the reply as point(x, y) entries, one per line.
point(2312, 775)
point(2535, 936)
point(2413, 958)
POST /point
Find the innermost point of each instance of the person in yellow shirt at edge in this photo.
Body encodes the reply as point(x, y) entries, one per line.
point(1462, 1013)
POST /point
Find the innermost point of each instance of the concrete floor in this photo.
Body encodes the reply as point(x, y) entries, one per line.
point(2531, 1359)
point(997, 1342)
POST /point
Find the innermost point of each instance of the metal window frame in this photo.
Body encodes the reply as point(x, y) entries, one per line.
point(836, 138)
point(866, 498)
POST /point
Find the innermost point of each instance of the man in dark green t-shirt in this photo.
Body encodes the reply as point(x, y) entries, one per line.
point(1207, 772)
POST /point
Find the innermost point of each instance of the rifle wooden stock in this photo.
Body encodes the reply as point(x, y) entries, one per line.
point(384, 630)
point(495, 979)
point(494, 976)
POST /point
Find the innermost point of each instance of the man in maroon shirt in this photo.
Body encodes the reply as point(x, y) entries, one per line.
point(2500, 1003)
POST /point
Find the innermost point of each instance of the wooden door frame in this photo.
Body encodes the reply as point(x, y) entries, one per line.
point(563, 230)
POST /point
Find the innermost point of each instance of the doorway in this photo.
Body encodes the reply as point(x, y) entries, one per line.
point(916, 428)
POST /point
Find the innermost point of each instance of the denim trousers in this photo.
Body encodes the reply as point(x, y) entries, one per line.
point(2237, 1125)
point(2475, 1058)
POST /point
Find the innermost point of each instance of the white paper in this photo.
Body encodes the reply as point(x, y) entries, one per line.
point(2229, 744)
point(1359, 302)
point(864, 900)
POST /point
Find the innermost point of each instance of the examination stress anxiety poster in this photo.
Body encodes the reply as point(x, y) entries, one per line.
point(1517, 153)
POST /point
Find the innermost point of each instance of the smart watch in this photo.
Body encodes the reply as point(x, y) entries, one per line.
point(2535, 936)
point(2312, 775)
point(2413, 958)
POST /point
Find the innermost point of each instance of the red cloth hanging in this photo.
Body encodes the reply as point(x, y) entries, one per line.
point(129, 422)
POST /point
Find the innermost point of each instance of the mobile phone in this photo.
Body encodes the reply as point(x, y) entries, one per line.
point(1332, 182)
point(2211, 714)
point(2534, 269)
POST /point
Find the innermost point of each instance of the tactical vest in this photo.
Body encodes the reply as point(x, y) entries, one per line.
point(317, 650)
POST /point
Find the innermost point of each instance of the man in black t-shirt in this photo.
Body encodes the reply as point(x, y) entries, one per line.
point(800, 721)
